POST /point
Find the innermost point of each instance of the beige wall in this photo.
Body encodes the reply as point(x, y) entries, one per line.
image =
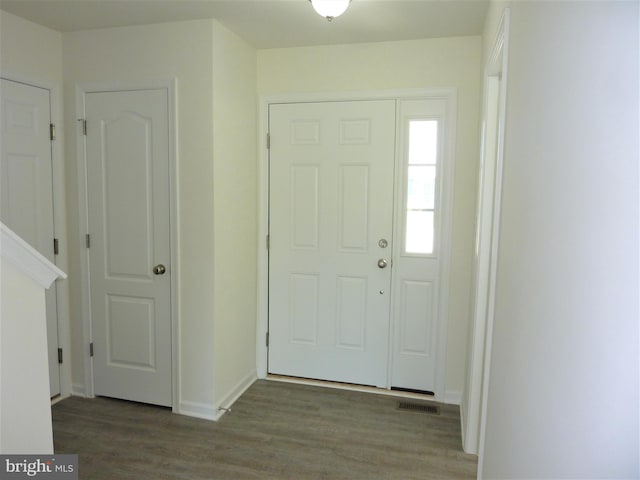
point(235, 210)
point(134, 55)
point(32, 54)
point(215, 172)
point(217, 182)
point(29, 50)
point(446, 62)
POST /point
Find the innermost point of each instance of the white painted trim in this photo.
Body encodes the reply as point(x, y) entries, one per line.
point(61, 233)
point(262, 304)
point(263, 208)
point(59, 217)
point(77, 390)
point(482, 265)
point(491, 115)
point(236, 392)
point(58, 399)
point(349, 387)
point(198, 410)
point(27, 259)
point(174, 221)
point(394, 94)
point(83, 224)
point(502, 43)
point(80, 92)
point(446, 227)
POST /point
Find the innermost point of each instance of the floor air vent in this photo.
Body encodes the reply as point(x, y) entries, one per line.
point(419, 407)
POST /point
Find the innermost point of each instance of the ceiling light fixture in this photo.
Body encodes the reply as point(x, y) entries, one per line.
point(330, 9)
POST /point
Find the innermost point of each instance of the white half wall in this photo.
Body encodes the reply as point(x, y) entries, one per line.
point(25, 409)
point(25, 406)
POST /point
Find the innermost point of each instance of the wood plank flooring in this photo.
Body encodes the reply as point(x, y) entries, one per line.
point(274, 431)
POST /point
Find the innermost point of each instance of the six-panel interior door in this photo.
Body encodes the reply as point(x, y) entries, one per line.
point(27, 187)
point(331, 200)
point(128, 193)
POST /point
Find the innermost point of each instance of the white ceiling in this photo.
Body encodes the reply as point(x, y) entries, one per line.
point(269, 23)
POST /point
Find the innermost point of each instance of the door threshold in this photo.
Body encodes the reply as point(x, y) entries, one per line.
point(353, 387)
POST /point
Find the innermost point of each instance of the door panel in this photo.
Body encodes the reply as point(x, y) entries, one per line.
point(27, 187)
point(331, 197)
point(128, 180)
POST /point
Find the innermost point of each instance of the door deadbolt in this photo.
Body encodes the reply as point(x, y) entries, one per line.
point(159, 269)
point(383, 243)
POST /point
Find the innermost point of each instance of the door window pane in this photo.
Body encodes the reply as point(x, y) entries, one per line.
point(421, 175)
point(421, 185)
point(419, 231)
point(423, 142)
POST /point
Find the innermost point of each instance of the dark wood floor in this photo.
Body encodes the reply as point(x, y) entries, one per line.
point(275, 431)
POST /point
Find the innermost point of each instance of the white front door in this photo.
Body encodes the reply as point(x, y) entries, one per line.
point(357, 215)
point(27, 187)
point(128, 192)
point(331, 199)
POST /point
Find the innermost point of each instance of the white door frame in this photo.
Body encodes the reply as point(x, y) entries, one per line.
point(450, 94)
point(59, 222)
point(81, 91)
point(473, 411)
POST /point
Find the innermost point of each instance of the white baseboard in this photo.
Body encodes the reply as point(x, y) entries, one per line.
point(198, 410)
point(230, 398)
point(213, 412)
point(452, 397)
point(58, 399)
point(77, 390)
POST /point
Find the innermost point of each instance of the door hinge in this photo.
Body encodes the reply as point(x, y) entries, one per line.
point(268, 141)
point(87, 240)
point(84, 125)
point(56, 246)
point(52, 131)
point(268, 241)
point(91, 349)
point(59, 355)
point(267, 339)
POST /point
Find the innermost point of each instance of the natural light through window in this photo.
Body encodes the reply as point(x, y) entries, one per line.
point(421, 186)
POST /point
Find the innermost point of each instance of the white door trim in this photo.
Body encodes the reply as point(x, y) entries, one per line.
point(473, 411)
point(59, 220)
point(80, 92)
point(450, 94)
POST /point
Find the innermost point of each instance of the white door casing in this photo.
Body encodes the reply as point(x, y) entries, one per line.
point(27, 187)
point(331, 189)
point(473, 407)
point(127, 147)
